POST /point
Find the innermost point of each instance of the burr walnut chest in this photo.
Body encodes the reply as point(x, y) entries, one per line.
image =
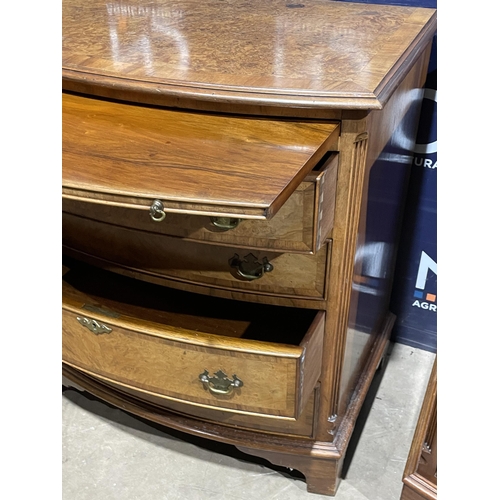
point(233, 180)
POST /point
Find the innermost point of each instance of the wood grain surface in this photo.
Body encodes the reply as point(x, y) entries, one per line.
point(193, 162)
point(313, 53)
point(302, 426)
point(294, 275)
point(223, 108)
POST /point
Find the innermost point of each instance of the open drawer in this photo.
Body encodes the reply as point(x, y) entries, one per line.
point(204, 351)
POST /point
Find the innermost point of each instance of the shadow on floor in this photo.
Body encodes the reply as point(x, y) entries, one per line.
point(141, 427)
point(365, 411)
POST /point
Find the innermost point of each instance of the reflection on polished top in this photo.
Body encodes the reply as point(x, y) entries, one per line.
point(314, 53)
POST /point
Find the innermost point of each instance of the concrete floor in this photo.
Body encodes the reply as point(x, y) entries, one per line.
point(108, 454)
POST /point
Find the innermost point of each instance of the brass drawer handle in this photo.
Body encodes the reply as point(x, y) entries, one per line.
point(219, 383)
point(249, 267)
point(225, 223)
point(93, 325)
point(156, 211)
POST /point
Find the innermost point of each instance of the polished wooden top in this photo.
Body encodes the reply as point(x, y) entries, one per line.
point(129, 155)
point(295, 53)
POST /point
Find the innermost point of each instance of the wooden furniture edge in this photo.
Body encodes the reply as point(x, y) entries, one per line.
point(407, 60)
point(373, 362)
point(411, 478)
point(415, 484)
point(173, 94)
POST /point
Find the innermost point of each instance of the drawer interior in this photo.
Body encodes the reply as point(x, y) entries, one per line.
point(114, 295)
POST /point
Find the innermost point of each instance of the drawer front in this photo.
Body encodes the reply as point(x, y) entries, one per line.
point(260, 380)
point(261, 272)
point(303, 425)
point(301, 225)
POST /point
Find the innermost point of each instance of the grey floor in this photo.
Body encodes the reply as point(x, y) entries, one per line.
point(108, 454)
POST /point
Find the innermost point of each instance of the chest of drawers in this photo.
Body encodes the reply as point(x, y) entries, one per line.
point(233, 179)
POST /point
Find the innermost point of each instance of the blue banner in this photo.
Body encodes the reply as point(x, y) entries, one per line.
point(414, 297)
